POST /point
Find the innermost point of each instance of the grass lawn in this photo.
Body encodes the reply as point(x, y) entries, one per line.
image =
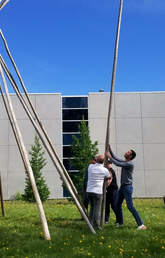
point(21, 232)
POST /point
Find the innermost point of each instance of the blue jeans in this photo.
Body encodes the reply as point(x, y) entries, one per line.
point(95, 204)
point(125, 192)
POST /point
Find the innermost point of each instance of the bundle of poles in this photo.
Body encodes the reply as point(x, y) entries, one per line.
point(44, 138)
point(32, 114)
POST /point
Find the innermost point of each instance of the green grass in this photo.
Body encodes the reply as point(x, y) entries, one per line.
point(21, 233)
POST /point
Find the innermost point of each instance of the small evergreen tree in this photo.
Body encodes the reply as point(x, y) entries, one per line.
point(82, 150)
point(37, 163)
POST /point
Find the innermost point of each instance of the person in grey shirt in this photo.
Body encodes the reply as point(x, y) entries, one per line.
point(126, 188)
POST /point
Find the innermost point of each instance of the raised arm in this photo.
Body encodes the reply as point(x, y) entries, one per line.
point(116, 161)
point(121, 163)
point(115, 157)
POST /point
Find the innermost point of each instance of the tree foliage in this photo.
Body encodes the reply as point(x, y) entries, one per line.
point(82, 150)
point(37, 163)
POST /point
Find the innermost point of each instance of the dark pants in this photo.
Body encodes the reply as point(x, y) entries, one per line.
point(95, 204)
point(86, 200)
point(125, 192)
point(111, 198)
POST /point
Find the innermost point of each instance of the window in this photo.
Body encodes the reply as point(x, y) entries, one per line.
point(73, 111)
point(69, 127)
point(74, 102)
point(67, 165)
point(75, 114)
point(67, 138)
point(67, 152)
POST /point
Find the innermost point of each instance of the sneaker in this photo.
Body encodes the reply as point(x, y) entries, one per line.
point(106, 221)
point(117, 225)
point(142, 227)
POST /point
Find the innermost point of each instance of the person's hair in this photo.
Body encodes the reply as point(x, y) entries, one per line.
point(133, 154)
point(109, 162)
point(100, 159)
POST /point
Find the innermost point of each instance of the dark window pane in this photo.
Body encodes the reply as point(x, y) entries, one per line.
point(67, 138)
point(65, 193)
point(67, 165)
point(74, 114)
point(74, 102)
point(71, 126)
point(67, 152)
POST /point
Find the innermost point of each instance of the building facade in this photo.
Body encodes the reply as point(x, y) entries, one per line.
point(137, 122)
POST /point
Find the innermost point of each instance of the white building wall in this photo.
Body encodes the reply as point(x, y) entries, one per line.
point(137, 122)
point(48, 107)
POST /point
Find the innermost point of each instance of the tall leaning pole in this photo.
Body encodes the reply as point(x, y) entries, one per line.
point(110, 108)
point(51, 151)
point(3, 3)
point(26, 160)
point(24, 153)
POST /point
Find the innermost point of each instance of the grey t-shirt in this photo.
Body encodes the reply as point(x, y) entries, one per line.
point(126, 171)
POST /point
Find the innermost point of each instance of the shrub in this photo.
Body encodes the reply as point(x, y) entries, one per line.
point(37, 163)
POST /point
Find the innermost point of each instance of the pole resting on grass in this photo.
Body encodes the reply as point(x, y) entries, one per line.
point(49, 147)
point(61, 170)
point(26, 159)
point(36, 116)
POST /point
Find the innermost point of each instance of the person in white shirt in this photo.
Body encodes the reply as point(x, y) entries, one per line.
point(96, 175)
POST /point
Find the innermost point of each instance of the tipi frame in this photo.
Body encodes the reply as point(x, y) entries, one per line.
point(31, 112)
point(42, 134)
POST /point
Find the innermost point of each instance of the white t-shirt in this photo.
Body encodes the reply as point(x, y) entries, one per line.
point(96, 175)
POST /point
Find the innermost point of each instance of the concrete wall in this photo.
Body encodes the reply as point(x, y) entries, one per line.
point(48, 107)
point(138, 122)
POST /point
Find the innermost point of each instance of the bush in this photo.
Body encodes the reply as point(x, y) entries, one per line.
point(82, 150)
point(37, 163)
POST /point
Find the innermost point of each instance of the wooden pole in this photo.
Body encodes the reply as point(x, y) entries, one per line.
point(4, 2)
point(1, 193)
point(110, 107)
point(12, 126)
point(37, 118)
point(51, 154)
point(27, 165)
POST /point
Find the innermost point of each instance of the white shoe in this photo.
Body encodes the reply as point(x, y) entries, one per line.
point(142, 227)
point(119, 225)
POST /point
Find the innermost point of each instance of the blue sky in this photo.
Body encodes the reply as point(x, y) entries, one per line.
point(67, 46)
